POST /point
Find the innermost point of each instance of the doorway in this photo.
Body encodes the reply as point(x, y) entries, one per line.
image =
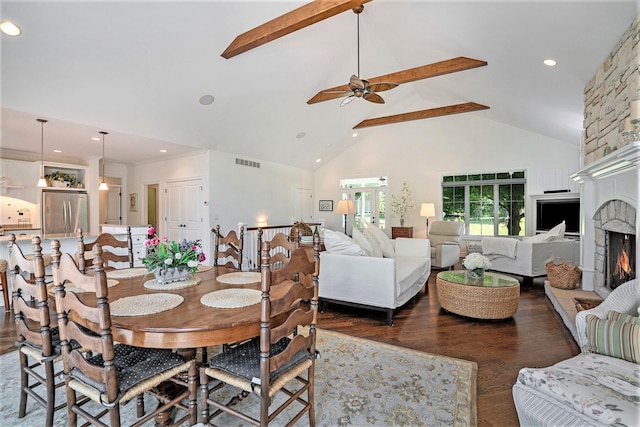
point(369, 199)
point(153, 205)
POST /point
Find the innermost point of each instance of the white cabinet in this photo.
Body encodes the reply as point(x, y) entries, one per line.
point(138, 236)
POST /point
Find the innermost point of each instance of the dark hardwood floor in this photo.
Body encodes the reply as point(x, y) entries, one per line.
point(534, 337)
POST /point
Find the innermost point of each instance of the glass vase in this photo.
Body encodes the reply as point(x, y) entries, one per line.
point(171, 274)
point(475, 275)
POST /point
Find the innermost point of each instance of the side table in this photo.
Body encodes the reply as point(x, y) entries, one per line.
point(401, 232)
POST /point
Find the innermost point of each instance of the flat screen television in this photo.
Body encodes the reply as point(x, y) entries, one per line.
point(550, 213)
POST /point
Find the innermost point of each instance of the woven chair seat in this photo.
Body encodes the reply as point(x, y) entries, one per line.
point(244, 359)
point(134, 365)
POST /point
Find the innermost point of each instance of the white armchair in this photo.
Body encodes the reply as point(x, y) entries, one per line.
point(445, 239)
point(623, 299)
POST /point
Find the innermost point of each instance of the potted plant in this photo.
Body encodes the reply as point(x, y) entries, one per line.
point(401, 204)
point(67, 179)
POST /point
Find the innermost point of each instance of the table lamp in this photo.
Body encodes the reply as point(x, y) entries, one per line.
point(345, 207)
point(427, 210)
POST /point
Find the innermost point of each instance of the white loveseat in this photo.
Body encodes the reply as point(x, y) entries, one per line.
point(376, 282)
point(600, 386)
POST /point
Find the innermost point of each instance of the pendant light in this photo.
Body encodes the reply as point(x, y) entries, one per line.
point(42, 182)
point(103, 185)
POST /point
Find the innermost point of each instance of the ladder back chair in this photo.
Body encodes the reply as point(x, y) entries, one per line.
point(4, 282)
point(45, 257)
point(281, 247)
point(116, 373)
point(105, 240)
point(38, 343)
point(229, 246)
point(277, 358)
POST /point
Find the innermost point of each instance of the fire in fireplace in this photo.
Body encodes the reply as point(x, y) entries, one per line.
point(621, 255)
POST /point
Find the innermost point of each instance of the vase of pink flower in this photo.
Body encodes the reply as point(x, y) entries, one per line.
point(171, 261)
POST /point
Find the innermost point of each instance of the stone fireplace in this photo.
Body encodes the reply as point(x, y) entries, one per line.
point(615, 242)
point(609, 196)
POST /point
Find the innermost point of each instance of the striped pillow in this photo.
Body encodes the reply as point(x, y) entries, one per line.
point(623, 317)
point(613, 338)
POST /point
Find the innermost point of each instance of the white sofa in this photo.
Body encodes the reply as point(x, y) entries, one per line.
point(593, 388)
point(527, 258)
point(380, 283)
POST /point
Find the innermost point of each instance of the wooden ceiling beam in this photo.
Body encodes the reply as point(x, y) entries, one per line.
point(295, 20)
point(422, 114)
point(448, 66)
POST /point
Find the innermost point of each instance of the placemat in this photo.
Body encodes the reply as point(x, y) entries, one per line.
point(70, 288)
point(191, 281)
point(239, 278)
point(126, 273)
point(231, 298)
point(142, 305)
point(202, 268)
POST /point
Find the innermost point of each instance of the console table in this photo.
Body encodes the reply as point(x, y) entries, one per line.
point(401, 232)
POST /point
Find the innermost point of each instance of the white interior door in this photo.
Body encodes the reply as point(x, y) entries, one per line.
point(304, 204)
point(183, 218)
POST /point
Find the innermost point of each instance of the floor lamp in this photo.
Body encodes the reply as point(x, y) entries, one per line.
point(427, 210)
point(345, 207)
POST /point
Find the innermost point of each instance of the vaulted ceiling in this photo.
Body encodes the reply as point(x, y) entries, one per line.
point(138, 70)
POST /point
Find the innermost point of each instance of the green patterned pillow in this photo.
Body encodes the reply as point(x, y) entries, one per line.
point(613, 338)
point(623, 317)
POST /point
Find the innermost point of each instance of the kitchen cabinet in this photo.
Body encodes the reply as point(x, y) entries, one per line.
point(138, 236)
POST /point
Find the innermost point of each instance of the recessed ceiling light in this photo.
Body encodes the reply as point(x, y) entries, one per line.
point(10, 29)
point(318, 160)
point(206, 99)
point(57, 151)
point(550, 62)
point(163, 151)
point(95, 138)
point(354, 134)
point(301, 135)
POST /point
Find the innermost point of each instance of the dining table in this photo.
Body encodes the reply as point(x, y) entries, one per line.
point(191, 324)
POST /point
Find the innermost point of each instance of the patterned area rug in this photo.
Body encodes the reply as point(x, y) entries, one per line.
point(358, 383)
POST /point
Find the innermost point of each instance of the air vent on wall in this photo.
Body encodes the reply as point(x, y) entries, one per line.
point(249, 163)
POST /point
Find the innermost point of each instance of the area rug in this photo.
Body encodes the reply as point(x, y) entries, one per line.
point(358, 383)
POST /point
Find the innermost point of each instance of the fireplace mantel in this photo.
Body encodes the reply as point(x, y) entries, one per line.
point(616, 162)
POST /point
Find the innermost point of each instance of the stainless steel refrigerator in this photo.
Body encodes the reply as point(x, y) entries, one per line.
point(64, 211)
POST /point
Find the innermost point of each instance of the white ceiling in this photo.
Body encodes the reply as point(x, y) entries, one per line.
point(137, 70)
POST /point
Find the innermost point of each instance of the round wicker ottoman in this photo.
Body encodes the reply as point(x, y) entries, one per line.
point(496, 298)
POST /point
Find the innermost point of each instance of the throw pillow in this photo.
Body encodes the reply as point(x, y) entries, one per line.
point(542, 237)
point(383, 240)
point(377, 250)
point(557, 232)
point(613, 338)
point(364, 243)
point(336, 242)
point(623, 317)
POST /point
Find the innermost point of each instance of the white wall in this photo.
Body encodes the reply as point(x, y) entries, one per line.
point(421, 152)
point(247, 194)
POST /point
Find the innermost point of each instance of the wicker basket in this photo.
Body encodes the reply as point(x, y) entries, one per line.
point(586, 303)
point(562, 274)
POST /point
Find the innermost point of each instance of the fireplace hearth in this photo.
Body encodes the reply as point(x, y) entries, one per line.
point(621, 255)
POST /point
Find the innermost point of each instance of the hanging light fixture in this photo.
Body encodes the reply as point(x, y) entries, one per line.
point(42, 182)
point(103, 185)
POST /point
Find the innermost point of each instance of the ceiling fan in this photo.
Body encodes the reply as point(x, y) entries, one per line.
point(359, 87)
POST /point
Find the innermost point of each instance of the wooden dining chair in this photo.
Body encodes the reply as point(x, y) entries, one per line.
point(115, 373)
point(38, 343)
point(106, 241)
point(228, 249)
point(281, 247)
point(45, 257)
point(275, 360)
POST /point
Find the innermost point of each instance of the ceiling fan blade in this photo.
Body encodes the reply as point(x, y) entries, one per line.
point(381, 87)
point(340, 92)
point(418, 73)
point(356, 82)
point(288, 23)
point(373, 97)
point(347, 100)
point(422, 114)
